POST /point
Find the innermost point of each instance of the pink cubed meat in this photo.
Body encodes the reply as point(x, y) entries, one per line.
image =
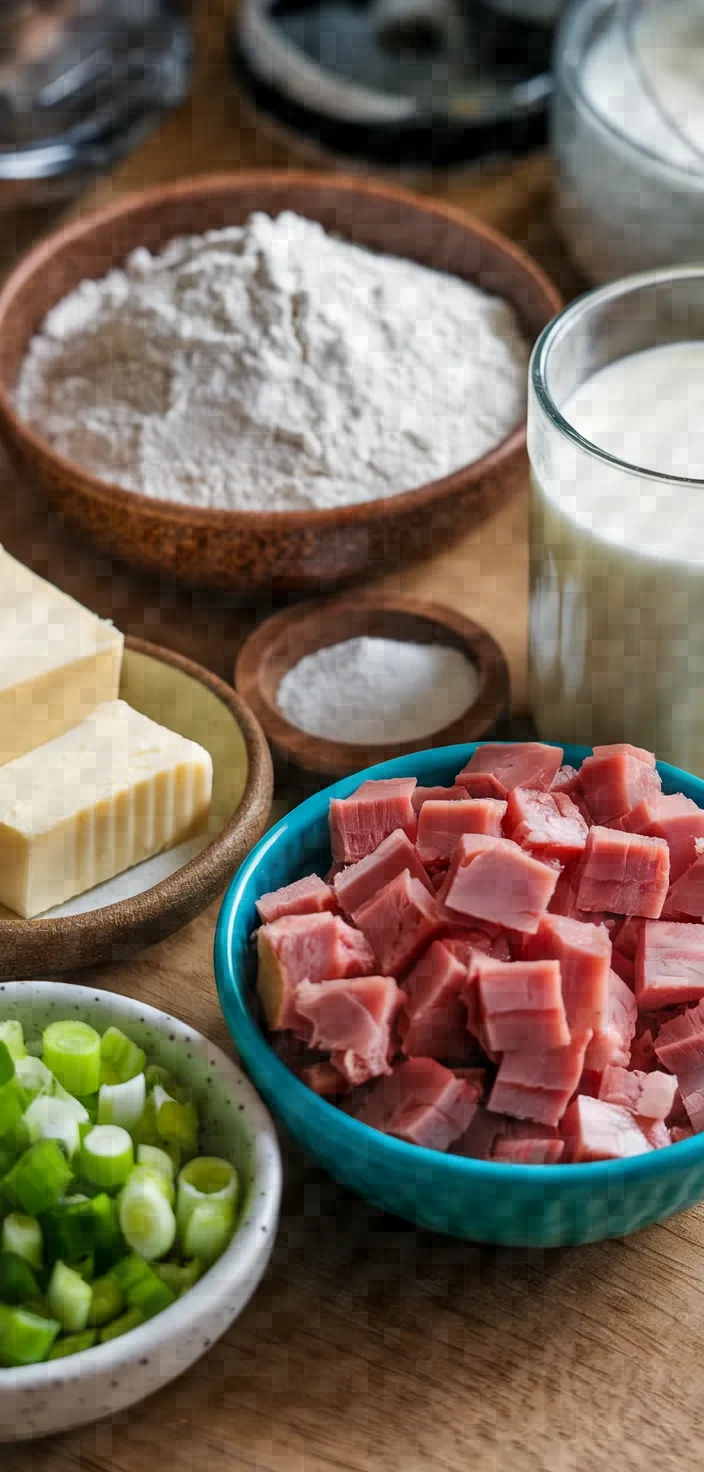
point(547, 824)
point(520, 1003)
point(624, 967)
point(538, 1085)
point(669, 966)
point(566, 779)
point(595, 1130)
point(359, 823)
point(461, 940)
point(478, 1140)
point(526, 764)
point(359, 882)
point(643, 1051)
point(685, 898)
point(612, 1043)
point(325, 1080)
point(615, 779)
point(649, 1095)
point(624, 873)
point(624, 748)
point(526, 1143)
point(351, 1020)
point(304, 897)
point(432, 1022)
point(493, 879)
point(584, 953)
point(436, 794)
point(675, 818)
point(680, 1047)
point(399, 922)
point(305, 947)
point(441, 824)
point(420, 1102)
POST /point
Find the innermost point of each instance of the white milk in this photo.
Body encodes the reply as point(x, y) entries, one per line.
point(628, 129)
point(617, 605)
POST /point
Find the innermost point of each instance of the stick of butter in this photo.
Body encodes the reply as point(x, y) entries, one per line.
point(93, 802)
point(57, 660)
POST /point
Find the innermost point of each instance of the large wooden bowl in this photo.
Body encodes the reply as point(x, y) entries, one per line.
point(279, 551)
point(140, 907)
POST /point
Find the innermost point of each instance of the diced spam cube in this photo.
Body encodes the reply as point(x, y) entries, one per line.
point(546, 823)
point(422, 1103)
point(359, 882)
point(596, 1130)
point(566, 779)
point(304, 897)
point(675, 818)
point(432, 1023)
point(521, 1004)
point(525, 764)
point(649, 1095)
point(436, 794)
point(680, 1048)
point(441, 824)
point(399, 922)
point(615, 779)
point(669, 967)
point(539, 1085)
point(305, 947)
point(529, 1150)
point(584, 953)
point(325, 1080)
point(493, 879)
point(351, 1019)
point(612, 1043)
point(462, 940)
point(685, 898)
point(360, 822)
point(624, 873)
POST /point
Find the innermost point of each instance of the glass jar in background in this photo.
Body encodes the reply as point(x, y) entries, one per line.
point(82, 82)
point(628, 134)
point(616, 635)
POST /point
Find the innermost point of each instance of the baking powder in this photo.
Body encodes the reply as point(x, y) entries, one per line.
point(373, 691)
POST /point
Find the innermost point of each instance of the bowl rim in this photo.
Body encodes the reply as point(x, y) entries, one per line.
point(250, 1040)
point(218, 519)
point(329, 757)
point(241, 1254)
point(207, 870)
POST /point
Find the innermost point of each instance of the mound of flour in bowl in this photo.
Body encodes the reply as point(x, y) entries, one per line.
point(271, 366)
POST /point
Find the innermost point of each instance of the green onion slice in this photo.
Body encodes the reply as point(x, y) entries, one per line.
point(107, 1156)
point(72, 1051)
point(69, 1298)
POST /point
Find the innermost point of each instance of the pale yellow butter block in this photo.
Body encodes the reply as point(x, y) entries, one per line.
point(115, 790)
point(58, 661)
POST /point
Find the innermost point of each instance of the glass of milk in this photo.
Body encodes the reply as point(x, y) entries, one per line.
point(628, 134)
point(616, 445)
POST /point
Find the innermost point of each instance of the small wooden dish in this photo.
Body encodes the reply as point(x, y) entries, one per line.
point(274, 551)
point(279, 643)
point(188, 699)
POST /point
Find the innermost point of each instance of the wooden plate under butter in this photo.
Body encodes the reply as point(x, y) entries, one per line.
point(158, 897)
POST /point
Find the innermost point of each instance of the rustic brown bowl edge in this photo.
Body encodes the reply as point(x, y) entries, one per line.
point(340, 759)
point(204, 546)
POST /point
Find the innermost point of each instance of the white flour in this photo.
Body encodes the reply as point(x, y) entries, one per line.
point(373, 691)
point(274, 367)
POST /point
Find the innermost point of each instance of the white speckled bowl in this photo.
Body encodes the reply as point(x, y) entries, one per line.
point(41, 1399)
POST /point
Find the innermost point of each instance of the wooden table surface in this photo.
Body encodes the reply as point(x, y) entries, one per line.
point(371, 1347)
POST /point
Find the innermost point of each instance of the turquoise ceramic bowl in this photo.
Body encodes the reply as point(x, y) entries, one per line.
point(523, 1206)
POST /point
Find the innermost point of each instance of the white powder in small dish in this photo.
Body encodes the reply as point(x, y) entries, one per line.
point(373, 691)
point(271, 366)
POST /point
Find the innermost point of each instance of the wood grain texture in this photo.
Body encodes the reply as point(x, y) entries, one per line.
point(371, 1347)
